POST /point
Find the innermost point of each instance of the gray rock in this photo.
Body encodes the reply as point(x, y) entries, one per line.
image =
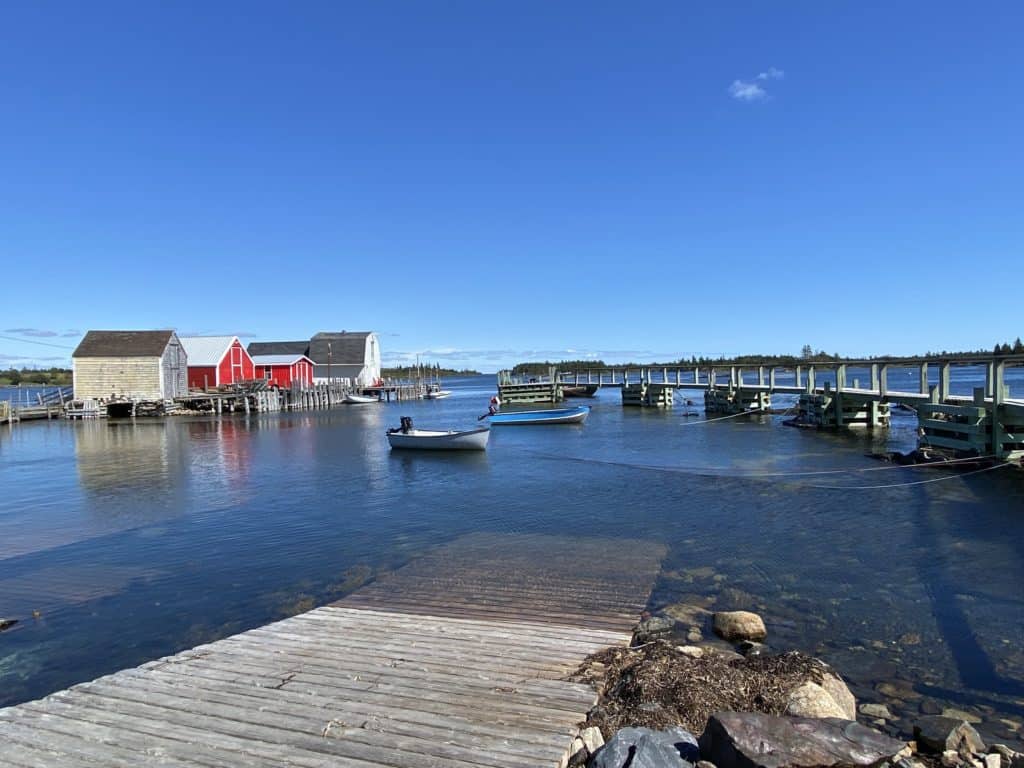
point(644, 748)
point(992, 761)
point(876, 710)
point(592, 739)
point(936, 734)
point(652, 628)
point(749, 739)
point(705, 764)
point(930, 707)
point(812, 700)
point(750, 648)
point(690, 650)
point(739, 625)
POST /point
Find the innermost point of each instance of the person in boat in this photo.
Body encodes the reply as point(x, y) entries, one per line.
point(494, 406)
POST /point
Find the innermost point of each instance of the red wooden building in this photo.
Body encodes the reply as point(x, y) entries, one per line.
point(284, 370)
point(215, 361)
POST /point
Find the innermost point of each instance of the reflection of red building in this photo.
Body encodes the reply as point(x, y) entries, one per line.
point(214, 361)
point(284, 370)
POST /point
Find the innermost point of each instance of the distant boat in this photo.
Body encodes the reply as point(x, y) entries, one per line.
point(579, 390)
point(354, 399)
point(434, 392)
point(435, 440)
point(575, 415)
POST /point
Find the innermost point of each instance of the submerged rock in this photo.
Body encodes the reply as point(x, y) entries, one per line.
point(812, 700)
point(739, 625)
point(646, 748)
point(652, 628)
point(747, 739)
point(879, 711)
point(936, 734)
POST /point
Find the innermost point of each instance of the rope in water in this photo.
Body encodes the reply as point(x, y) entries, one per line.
point(720, 471)
point(904, 485)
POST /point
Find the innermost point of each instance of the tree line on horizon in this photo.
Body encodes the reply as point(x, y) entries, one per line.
point(807, 355)
point(425, 370)
point(14, 377)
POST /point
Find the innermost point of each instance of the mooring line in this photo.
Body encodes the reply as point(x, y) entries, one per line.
point(726, 472)
point(904, 485)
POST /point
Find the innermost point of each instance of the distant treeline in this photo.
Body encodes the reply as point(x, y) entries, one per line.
point(34, 376)
point(807, 355)
point(426, 371)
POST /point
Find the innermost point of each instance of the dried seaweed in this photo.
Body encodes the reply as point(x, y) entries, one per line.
point(656, 686)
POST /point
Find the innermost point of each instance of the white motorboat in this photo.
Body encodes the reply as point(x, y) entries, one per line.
point(353, 399)
point(407, 436)
point(437, 394)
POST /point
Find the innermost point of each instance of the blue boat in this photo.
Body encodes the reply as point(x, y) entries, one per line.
point(550, 416)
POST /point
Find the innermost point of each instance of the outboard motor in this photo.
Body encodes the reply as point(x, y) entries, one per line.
point(406, 424)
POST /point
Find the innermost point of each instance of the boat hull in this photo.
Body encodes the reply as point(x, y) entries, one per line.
point(438, 394)
point(351, 399)
point(550, 416)
point(430, 440)
point(580, 390)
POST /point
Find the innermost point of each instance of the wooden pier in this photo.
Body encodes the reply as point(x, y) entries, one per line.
point(986, 423)
point(459, 660)
point(530, 389)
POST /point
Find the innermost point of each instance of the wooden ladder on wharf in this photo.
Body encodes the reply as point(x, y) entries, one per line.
point(458, 660)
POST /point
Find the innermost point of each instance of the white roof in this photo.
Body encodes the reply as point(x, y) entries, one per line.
point(206, 350)
point(278, 359)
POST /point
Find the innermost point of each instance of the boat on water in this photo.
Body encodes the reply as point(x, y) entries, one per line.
point(579, 390)
point(353, 399)
point(434, 392)
point(576, 415)
point(408, 437)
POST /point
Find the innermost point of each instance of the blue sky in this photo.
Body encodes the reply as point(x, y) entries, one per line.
point(484, 183)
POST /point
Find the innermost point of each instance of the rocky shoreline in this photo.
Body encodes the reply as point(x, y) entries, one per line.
point(737, 704)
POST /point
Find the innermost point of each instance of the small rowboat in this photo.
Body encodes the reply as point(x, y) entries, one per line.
point(550, 416)
point(354, 399)
point(433, 440)
point(438, 394)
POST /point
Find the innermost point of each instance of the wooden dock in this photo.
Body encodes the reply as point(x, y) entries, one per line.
point(398, 674)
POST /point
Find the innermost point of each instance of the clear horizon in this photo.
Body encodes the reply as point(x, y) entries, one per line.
point(486, 185)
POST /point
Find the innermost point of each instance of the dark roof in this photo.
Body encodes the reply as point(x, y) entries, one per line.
point(278, 348)
point(123, 344)
point(346, 348)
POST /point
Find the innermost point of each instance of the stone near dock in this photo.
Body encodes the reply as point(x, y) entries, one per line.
point(592, 739)
point(879, 711)
point(959, 714)
point(936, 734)
point(747, 739)
point(690, 650)
point(812, 700)
point(645, 748)
point(750, 648)
point(694, 636)
point(739, 625)
point(652, 628)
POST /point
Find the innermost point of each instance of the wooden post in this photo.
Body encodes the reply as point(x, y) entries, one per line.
point(944, 377)
point(999, 368)
point(760, 376)
point(924, 379)
point(771, 379)
point(883, 380)
point(874, 377)
point(810, 380)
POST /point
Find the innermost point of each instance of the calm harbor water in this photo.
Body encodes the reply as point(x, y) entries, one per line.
point(133, 541)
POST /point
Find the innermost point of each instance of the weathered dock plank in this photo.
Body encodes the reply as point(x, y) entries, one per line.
point(458, 660)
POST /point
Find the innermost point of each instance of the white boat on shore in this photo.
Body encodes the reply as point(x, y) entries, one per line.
point(353, 399)
point(436, 440)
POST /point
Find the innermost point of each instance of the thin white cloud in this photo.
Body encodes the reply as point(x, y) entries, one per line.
point(754, 89)
point(743, 91)
point(771, 74)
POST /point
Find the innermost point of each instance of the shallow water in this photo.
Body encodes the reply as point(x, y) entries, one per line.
point(134, 541)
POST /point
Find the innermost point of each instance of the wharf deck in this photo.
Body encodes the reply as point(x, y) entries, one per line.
point(396, 674)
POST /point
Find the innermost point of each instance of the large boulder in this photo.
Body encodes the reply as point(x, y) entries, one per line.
point(645, 748)
point(735, 626)
point(812, 700)
point(754, 740)
point(936, 734)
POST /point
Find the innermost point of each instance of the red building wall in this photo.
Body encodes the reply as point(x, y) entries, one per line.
point(283, 375)
point(201, 376)
point(236, 365)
